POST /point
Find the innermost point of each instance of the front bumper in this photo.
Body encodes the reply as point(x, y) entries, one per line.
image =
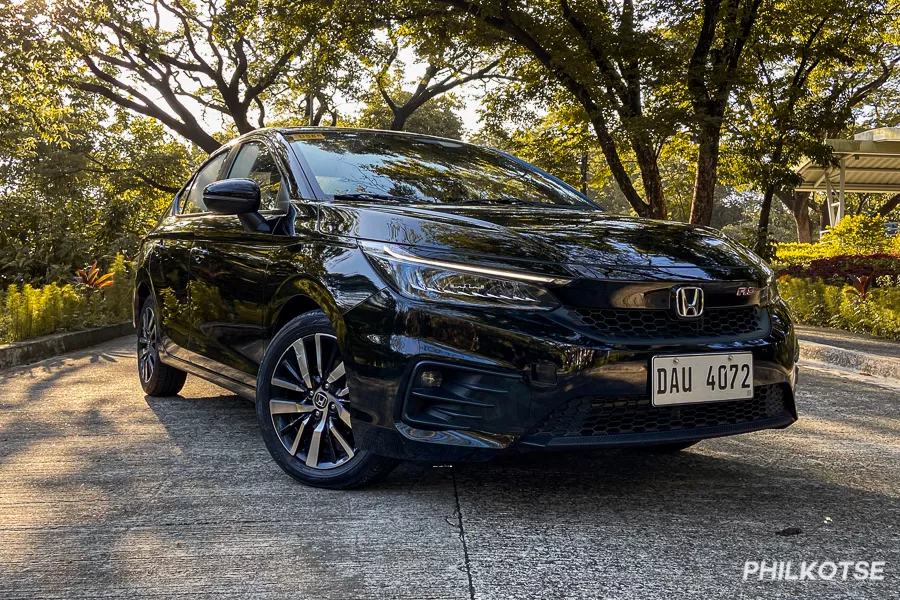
point(517, 381)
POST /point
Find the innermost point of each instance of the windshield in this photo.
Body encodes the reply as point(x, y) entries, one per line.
point(385, 167)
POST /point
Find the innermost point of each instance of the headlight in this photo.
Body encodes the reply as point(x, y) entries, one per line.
point(439, 281)
point(769, 294)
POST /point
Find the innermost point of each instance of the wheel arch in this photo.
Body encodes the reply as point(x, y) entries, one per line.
point(301, 295)
point(143, 289)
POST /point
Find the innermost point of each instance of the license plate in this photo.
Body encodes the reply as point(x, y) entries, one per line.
point(693, 378)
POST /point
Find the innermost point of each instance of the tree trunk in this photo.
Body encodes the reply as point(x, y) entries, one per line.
point(400, 118)
point(825, 219)
point(584, 173)
point(705, 179)
point(798, 204)
point(762, 247)
point(889, 206)
point(614, 161)
point(653, 189)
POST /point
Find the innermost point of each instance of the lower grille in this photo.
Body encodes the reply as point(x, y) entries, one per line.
point(597, 416)
point(635, 324)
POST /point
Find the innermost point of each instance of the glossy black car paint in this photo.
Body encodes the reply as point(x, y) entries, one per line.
point(224, 290)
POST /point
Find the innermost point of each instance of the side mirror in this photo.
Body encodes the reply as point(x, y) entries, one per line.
point(237, 197)
point(232, 197)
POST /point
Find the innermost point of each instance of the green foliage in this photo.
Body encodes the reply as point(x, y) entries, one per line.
point(854, 235)
point(29, 312)
point(795, 253)
point(812, 302)
point(435, 117)
point(96, 193)
point(858, 234)
point(815, 302)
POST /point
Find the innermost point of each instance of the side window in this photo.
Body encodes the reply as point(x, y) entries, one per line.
point(255, 161)
point(193, 199)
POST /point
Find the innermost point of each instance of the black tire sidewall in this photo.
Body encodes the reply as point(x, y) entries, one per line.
point(153, 383)
point(363, 467)
point(165, 380)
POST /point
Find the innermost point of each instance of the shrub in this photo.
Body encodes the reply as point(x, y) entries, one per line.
point(854, 235)
point(824, 304)
point(858, 234)
point(29, 312)
point(842, 267)
point(812, 302)
point(878, 314)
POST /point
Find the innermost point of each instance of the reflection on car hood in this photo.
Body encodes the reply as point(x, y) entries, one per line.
point(538, 234)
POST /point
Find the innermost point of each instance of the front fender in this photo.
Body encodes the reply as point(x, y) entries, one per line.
point(333, 277)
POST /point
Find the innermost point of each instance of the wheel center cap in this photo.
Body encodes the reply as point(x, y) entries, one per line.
point(320, 400)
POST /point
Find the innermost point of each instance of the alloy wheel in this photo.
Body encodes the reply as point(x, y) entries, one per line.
point(148, 351)
point(308, 403)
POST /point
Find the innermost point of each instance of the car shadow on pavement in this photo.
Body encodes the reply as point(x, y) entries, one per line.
point(184, 482)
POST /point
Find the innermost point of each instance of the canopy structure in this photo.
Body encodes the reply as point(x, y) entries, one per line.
point(869, 163)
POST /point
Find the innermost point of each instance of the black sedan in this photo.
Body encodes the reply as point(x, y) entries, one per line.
point(386, 296)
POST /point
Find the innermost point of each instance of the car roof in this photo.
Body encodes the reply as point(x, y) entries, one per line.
point(411, 134)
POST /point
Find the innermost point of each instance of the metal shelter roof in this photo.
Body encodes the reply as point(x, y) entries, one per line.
point(869, 163)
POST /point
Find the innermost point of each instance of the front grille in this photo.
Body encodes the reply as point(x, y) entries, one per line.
point(635, 324)
point(597, 416)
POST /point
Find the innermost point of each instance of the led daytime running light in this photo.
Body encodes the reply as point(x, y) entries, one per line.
point(478, 270)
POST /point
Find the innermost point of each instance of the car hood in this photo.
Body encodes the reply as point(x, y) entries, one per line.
point(531, 234)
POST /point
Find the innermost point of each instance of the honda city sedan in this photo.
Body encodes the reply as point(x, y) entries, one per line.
point(385, 296)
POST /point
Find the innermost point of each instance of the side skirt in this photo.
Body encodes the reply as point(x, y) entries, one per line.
point(229, 384)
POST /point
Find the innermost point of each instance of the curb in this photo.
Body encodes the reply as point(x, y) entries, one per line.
point(29, 351)
point(861, 362)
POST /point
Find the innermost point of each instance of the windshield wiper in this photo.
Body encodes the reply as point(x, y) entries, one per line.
point(370, 196)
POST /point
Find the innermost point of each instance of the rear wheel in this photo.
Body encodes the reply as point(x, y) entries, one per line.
point(157, 379)
point(302, 401)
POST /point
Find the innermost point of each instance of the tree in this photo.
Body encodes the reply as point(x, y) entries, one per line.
point(435, 117)
point(817, 65)
point(166, 58)
point(448, 64)
point(65, 203)
point(633, 69)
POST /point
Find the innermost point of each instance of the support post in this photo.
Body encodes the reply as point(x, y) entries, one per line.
point(840, 207)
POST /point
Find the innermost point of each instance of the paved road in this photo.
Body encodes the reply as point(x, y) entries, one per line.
point(107, 493)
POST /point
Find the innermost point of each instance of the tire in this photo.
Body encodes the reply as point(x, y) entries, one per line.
point(156, 378)
point(667, 448)
point(301, 405)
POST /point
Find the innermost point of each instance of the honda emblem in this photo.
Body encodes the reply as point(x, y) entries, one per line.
point(689, 302)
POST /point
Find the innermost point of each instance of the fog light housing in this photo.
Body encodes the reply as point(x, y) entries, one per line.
point(431, 379)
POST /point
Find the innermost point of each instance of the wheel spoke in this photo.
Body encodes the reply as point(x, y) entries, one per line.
point(319, 354)
point(340, 440)
point(297, 439)
point(343, 393)
point(281, 407)
point(343, 413)
point(337, 373)
point(283, 383)
point(290, 369)
point(312, 458)
point(302, 362)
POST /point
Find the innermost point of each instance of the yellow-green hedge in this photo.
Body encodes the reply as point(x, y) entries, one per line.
point(854, 235)
point(815, 302)
point(27, 312)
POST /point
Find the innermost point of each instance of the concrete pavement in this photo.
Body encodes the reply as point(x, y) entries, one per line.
point(854, 352)
point(107, 493)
